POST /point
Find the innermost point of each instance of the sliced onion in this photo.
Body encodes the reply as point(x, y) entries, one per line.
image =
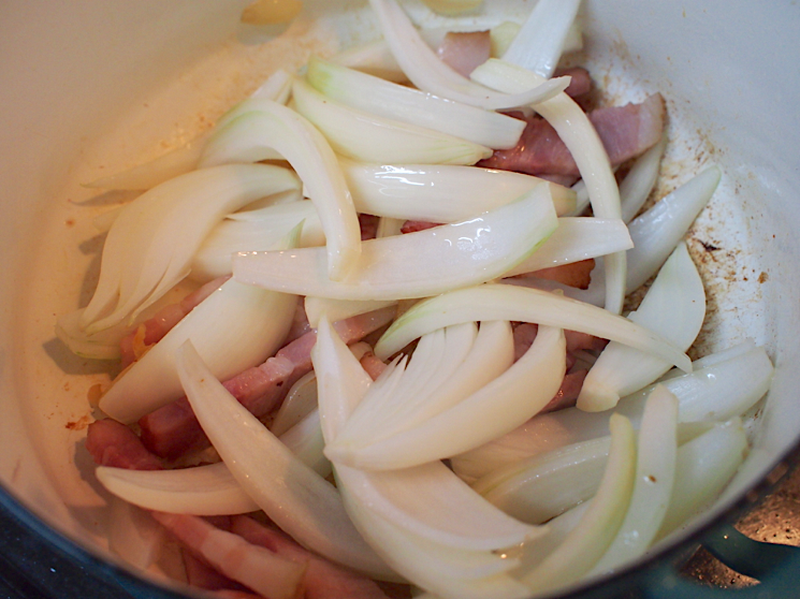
point(295, 497)
point(234, 328)
point(655, 475)
point(425, 70)
point(340, 309)
point(366, 137)
point(150, 245)
point(440, 193)
point(213, 257)
point(271, 127)
point(704, 467)
point(674, 307)
point(414, 107)
point(579, 135)
point(716, 390)
point(635, 188)
point(540, 42)
point(498, 407)
point(541, 487)
point(508, 302)
point(415, 265)
point(203, 490)
point(577, 238)
point(587, 542)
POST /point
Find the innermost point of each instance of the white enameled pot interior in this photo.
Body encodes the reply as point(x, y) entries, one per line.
point(98, 86)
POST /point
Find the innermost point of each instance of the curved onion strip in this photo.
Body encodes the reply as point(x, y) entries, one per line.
point(541, 487)
point(434, 566)
point(295, 497)
point(269, 127)
point(103, 345)
point(587, 542)
point(150, 245)
point(305, 440)
point(495, 409)
point(299, 403)
point(577, 238)
point(674, 307)
point(414, 107)
point(579, 135)
point(425, 70)
point(203, 491)
point(444, 193)
point(657, 231)
point(415, 265)
point(635, 188)
point(704, 467)
point(655, 474)
point(234, 328)
point(540, 42)
point(716, 391)
point(367, 137)
point(437, 359)
point(213, 257)
point(508, 302)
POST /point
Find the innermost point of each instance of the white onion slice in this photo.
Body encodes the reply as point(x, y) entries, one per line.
point(579, 135)
point(540, 42)
point(674, 307)
point(577, 238)
point(203, 490)
point(234, 328)
point(295, 497)
point(508, 302)
point(414, 107)
point(367, 137)
point(491, 411)
point(635, 188)
point(443, 193)
point(655, 474)
point(150, 245)
point(417, 264)
point(714, 391)
point(704, 467)
point(587, 542)
point(425, 70)
point(436, 566)
point(271, 127)
point(232, 235)
point(133, 534)
point(541, 487)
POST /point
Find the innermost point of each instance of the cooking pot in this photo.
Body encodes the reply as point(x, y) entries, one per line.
point(94, 87)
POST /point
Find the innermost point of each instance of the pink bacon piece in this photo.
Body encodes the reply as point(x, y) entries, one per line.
point(255, 567)
point(113, 444)
point(173, 430)
point(626, 132)
point(322, 580)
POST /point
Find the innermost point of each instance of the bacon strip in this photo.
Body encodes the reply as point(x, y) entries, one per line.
point(626, 132)
point(173, 430)
point(322, 580)
point(113, 444)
